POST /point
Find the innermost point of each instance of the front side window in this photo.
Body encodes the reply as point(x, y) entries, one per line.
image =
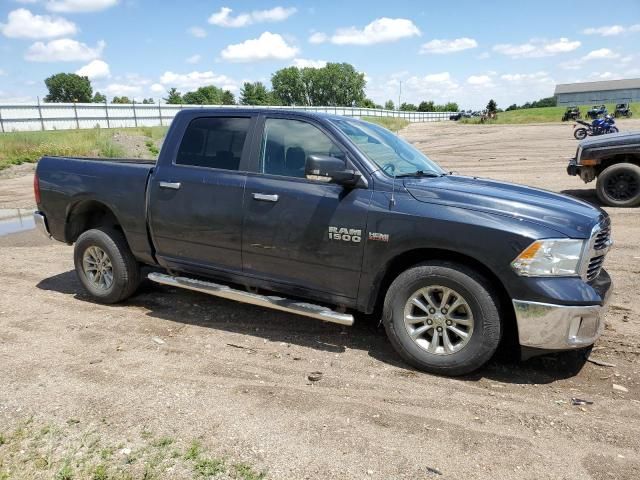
point(214, 142)
point(389, 152)
point(286, 145)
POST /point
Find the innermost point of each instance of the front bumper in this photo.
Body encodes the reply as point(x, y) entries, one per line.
point(573, 169)
point(559, 327)
point(41, 224)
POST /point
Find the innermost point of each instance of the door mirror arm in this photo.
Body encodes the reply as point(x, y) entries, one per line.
point(333, 169)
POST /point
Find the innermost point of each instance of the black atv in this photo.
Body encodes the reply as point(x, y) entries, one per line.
point(623, 110)
point(572, 113)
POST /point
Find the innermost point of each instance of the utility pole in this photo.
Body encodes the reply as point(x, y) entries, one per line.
point(399, 95)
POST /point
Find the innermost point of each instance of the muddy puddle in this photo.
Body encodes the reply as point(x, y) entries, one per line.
point(13, 220)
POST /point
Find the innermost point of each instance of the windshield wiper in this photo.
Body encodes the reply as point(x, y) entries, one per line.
point(419, 173)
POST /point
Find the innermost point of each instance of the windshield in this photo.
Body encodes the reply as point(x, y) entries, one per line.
point(390, 153)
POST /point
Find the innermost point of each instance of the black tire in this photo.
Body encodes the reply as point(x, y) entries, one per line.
point(479, 296)
point(125, 270)
point(613, 130)
point(580, 133)
point(619, 185)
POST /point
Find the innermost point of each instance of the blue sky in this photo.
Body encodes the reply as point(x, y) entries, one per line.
point(464, 51)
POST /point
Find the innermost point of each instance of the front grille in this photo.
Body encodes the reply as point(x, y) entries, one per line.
point(599, 246)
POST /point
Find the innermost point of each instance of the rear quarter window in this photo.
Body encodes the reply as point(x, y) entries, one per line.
point(215, 142)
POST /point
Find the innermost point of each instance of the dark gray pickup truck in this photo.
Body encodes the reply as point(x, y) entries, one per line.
point(327, 216)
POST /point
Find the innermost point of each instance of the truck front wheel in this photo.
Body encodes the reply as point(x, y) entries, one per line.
point(619, 185)
point(442, 317)
point(105, 265)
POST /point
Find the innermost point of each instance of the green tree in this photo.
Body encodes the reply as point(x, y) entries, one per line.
point(451, 107)
point(174, 97)
point(492, 106)
point(148, 101)
point(389, 105)
point(227, 98)
point(99, 98)
point(367, 103)
point(67, 88)
point(209, 95)
point(426, 106)
point(123, 99)
point(408, 107)
point(335, 84)
point(289, 87)
point(254, 94)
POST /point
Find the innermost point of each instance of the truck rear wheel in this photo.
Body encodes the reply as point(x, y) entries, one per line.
point(105, 265)
point(441, 317)
point(619, 185)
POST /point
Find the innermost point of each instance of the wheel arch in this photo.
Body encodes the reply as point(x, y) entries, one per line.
point(633, 158)
point(87, 214)
point(410, 258)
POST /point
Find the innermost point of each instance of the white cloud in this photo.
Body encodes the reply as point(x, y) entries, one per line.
point(483, 56)
point(195, 79)
point(381, 30)
point(448, 46)
point(21, 23)
point(480, 80)
point(266, 47)
point(605, 31)
point(193, 59)
point(304, 62)
point(526, 77)
point(157, 88)
point(537, 48)
point(95, 69)
point(599, 54)
point(197, 32)
point(611, 30)
point(79, 5)
point(120, 89)
point(2, 73)
point(224, 18)
point(318, 37)
point(63, 50)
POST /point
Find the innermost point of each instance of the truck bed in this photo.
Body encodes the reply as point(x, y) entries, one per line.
point(68, 184)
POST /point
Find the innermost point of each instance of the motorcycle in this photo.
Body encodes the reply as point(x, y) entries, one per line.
point(600, 126)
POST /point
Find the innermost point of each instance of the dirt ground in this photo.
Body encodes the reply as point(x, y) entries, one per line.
point(184, 367)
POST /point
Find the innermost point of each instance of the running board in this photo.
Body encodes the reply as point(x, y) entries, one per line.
point(276, 303)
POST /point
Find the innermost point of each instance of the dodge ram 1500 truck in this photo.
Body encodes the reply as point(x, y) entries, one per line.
point(327, 216)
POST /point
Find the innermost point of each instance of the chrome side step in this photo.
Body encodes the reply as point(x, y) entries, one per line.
point(276, 303)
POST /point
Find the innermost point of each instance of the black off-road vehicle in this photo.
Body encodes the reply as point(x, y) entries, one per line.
point(572, 113)
point(623, 110)
point(615, 161)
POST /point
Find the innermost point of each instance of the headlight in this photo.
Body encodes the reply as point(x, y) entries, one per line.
point(550, 258)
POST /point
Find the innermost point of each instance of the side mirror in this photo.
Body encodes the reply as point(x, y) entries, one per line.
point(332, 169)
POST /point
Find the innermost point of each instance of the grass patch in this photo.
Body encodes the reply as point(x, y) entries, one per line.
point(27, 147)
point(390, 123)
point(544, 115)
point(208, 467)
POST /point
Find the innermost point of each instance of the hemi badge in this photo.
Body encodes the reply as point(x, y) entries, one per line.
point(379, 237)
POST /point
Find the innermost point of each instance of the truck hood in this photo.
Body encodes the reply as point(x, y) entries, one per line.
point(612, 139)
point(566, 215)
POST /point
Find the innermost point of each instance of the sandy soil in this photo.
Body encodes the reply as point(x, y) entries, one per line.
point(185, 365)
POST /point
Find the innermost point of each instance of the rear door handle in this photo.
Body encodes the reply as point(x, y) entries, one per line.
point(171, 185)
point(265, 197)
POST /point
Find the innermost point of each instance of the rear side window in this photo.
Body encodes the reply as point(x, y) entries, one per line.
point(215, 142)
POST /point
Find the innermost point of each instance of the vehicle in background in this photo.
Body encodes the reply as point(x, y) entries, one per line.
point(457, 116)
point(614, 161)
point(571, 113)
point(326, 216)
point(623, 110)
point(600, 126)
point(596, 111)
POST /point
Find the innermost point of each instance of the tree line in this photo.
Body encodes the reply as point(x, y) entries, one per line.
point(335, 84)
point(543, 102)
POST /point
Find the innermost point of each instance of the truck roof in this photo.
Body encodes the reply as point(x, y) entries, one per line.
point(252, 110)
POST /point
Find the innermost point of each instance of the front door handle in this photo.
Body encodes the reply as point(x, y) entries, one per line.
point(171, 185)
point(265, 197)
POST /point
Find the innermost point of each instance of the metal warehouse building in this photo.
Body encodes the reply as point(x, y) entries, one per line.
point(609, 91)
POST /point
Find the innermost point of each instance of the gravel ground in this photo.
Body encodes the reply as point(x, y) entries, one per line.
point(183, 366)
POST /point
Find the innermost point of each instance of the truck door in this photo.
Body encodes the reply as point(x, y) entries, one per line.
point(195, 203)
point(298, 231)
